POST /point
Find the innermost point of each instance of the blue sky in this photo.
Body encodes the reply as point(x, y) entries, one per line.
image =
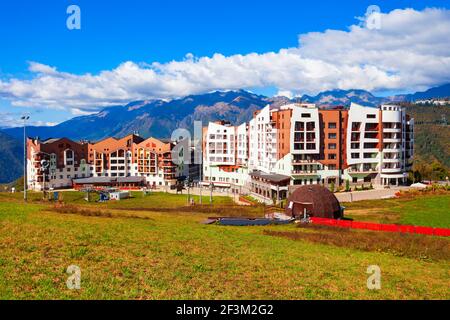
point(114, 32)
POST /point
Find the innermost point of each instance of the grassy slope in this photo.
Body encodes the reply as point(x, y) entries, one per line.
point(432, 210)
point(172, 256)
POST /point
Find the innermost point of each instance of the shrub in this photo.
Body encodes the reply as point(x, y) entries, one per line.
point(347, 186)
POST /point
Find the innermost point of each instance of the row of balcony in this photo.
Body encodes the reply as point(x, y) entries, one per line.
point(299, 161)
point(305, 172)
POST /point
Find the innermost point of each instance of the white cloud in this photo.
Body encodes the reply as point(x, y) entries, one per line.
point(287, 94)
point(11, 120)
point(41, 68)
point(81, 112)
point(410, 52)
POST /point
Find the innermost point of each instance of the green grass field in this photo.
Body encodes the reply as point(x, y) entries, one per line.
point(155, 247)
point(429, 210)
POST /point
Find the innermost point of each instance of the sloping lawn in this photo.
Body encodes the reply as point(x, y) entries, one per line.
point(428, 210)
point(171, 255)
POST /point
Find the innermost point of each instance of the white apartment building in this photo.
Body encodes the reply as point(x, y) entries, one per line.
point(379, 144)
point(225, 157)
point(301, 144)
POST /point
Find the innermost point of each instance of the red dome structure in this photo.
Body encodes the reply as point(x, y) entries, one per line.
point(316, 200)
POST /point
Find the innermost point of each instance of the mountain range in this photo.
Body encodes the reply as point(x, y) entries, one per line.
point(158, 118)
point(344, 98)
point(11, 153)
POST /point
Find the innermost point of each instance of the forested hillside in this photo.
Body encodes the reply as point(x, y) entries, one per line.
point(432, 141)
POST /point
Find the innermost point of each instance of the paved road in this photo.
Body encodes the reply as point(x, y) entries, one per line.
point(368, 194)
point(342, 197)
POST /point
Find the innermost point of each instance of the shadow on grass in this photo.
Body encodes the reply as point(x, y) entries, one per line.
point(71, 209)
point(216, 210)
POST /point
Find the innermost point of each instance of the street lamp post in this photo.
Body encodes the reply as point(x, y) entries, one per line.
point(188, 191)
point(210, 186)
point(201, 186)
point(44, 167)
point(25, 118)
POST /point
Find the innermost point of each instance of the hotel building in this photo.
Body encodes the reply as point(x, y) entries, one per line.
point(300, 144)
point(130, 161)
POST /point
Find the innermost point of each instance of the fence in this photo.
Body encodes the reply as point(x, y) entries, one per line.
point(442, 232)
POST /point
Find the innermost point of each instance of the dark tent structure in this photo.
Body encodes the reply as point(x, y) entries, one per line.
point(316, 200)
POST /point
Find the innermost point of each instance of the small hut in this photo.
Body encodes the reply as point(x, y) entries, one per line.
point(316, 201)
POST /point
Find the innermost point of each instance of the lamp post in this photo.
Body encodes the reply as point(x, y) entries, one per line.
point(200, 186)
point(210, 186)
point(44, 167)
point(25, 118)
point(188, 191)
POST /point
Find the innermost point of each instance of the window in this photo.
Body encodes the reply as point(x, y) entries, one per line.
point(332, 136)
point(332, 125)
point(331, 156)
point(371, 116)
point(298, 136)
point(370, 145)
point(299, 126)
point(332, 146)
point(355, 179)
point(306, 115)
point(332, 167)
point(310, 126)
point(355, 155)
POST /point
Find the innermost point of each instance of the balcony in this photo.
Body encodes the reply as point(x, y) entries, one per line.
point(392, 148)
point(391, 170)
point(356, 126)
point(299, 161)
point(392, 130)
point(304, 172)
point(372, 129)
point(364, 170)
